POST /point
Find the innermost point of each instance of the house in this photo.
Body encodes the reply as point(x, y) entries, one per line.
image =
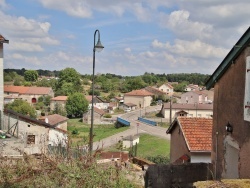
point(117, 100)
point(192, 87)
point(2, 41)
point(98, 102)
point(167, 88)
point(23, 134)
point(231, 122)
point(194, 97)
point(58, 101)
point(157, 93)
point(128, 107)
point(98, 116)
point(130, 141)
point(141, 98)
point(191, 140)
point(188, 110)
point(29, 94)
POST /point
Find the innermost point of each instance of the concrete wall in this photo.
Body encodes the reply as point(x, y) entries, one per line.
point(229, 107)
point(200, 157)
point(162, 176)
point(1, 81)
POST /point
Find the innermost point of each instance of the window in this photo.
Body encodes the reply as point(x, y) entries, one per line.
point(31, 139)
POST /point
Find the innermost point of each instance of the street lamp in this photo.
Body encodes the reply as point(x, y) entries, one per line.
point(97, 47)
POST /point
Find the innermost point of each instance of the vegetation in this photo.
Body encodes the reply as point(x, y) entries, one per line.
point(82, 129)
point(22, 107)
point(76, 105)
point(57, 171)
point(30, 75)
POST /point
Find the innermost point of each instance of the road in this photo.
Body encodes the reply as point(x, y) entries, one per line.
point(134, 128)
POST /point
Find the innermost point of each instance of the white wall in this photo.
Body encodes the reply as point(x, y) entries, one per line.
point(56, 137)
point(200, 157)
point(191, 113)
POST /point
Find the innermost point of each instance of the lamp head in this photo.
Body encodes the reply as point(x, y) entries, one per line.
point(99, 46)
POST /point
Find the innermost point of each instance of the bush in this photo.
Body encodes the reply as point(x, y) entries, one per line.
point(107, 116)
point(75, 132)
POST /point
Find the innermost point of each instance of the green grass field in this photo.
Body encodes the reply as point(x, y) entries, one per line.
point(99, 131)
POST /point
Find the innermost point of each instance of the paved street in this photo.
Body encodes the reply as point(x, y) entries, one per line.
point(142, 128)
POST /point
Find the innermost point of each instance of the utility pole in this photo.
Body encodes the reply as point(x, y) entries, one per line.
point(170, 114)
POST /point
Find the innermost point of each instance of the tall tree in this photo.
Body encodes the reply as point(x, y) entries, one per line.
point(76, 105)
point(30, 75)
point(22, 107)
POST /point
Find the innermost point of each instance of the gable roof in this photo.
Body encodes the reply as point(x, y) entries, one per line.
point(59, 98)
point(229, 59)
point(55, 119)
point(197, 132)
point(155, 90)
point(129, 104)
point(27, 90)
point(3, 40)
point(188, 106)
point(168, 85)
point(99, 111)
point(141, 92)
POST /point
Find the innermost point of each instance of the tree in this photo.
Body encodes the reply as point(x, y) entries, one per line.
point(30, 75)
point(76, 105)
point(59, 109)
point(22, 107)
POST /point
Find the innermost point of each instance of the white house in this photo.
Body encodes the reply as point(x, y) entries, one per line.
point(188, 110)
point(31, 136)
point(167, 88)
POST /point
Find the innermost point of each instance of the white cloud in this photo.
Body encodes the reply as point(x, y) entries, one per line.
point(127, 49)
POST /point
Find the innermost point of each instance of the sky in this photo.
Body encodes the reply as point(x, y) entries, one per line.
point(154, 36)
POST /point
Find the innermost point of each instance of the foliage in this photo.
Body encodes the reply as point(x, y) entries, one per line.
point(76, 105)
point(57, 171)
point(18, 80)
point(159, 159)
point(30, 75)
point(96, 92)
point(59, 109)
point(107, 116)
point(22, 107)
point(180, 87)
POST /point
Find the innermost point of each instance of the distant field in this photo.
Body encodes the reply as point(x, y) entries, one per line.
point(100, 131)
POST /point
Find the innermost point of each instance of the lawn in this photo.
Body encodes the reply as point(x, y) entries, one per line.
point(99, 131)
point(149, 146)
point(152, 146)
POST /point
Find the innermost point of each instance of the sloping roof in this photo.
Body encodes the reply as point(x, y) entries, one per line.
point(99, 111)
point(56, 119)
point(229, 59)
point(3, 40)
point(168, 84)
point(141, 92)
point(27, 90)
point(155, 90)
point(197, 132)
point(189, 106)
point(129, 104)
point(59, 98)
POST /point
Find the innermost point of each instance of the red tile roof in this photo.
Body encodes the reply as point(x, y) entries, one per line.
point(59, 98)
point(197, 133)
point(99, 111)
point(141, 92)
point(27, 90)
point(56, 119)
point(154, 90)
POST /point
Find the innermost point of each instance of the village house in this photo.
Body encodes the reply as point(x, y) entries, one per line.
point(98, 102)
point(191, 140)
point(192, 87)
point(127, 107)
point(98, 116)
point(59, 101)
point(194, 97)
point(188, 110)
point(29, 94)
point(141, 98)
point(231, 122)
point(167, 88)
point(157, 93)
point(22, 134)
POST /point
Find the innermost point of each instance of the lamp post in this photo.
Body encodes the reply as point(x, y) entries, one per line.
point(97, 47)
